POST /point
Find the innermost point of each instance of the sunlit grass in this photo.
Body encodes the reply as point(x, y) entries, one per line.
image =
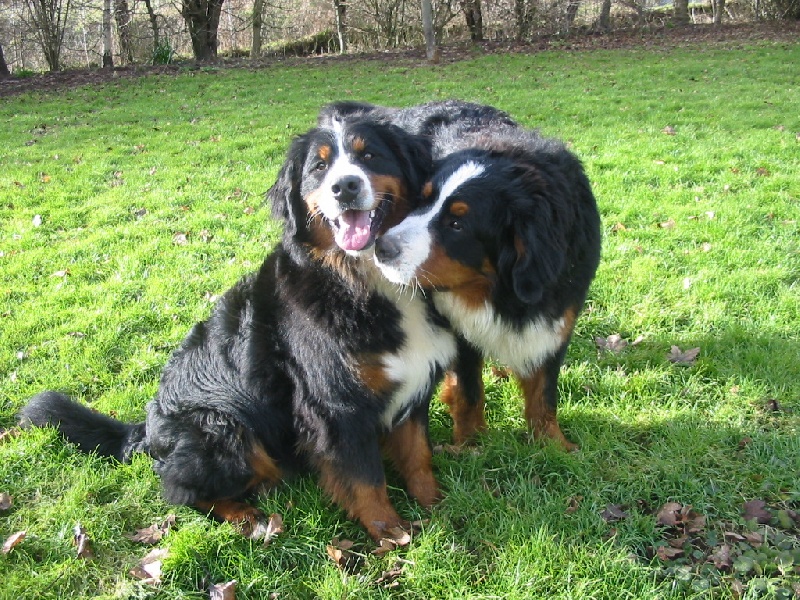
point(126, 209)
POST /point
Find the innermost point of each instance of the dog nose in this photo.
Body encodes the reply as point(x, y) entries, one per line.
point(387, 248)
point(347, 188)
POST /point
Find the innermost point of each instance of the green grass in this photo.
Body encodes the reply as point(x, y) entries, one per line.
point(94, 298)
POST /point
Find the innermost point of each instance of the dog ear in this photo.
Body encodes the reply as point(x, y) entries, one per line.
point(417, 152)
point(534, 248)
point(286, 189)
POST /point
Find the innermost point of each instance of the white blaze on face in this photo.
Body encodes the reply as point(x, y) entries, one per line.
point(413, 234)
point(343, 166)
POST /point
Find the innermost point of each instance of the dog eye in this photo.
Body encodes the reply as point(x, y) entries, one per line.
point(455, 224)
point(321, 166)
point(367, 156)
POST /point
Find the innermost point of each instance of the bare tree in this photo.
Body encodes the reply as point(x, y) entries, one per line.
point(719, 9)
point(108, 58)
point(48, 19)
point(123, 17)
point(258, 23)
point(202, 19)
point(340, 10)
point(151, 15)
point(4, 72)
point(427, 28)
point(604, 20)
point(473, 13)
point(682, 12)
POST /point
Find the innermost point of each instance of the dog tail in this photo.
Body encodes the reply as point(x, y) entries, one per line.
point(89, 430)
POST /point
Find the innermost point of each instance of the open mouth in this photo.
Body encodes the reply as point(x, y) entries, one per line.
point(356, 229)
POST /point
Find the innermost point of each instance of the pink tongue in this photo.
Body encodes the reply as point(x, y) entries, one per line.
point(354, 232)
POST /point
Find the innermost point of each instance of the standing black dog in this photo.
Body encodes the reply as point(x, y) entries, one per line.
point(509, 240)
point(314, 361)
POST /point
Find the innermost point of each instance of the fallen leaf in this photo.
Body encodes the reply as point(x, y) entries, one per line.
point(149, 568)
point(249, 210)
point(613, 512)
point(63, 273)
point(389, 579)
point(153, 534)
point(223, 591)
point(668, 130)
point(681, 357)
point(618, 227)
point(339, 552)
point(721, 557)
point(613, 343)
point(668, 224)
point(666, 553)
point(668, 515)
point(6, 501)
point(7, 434)
point(12, 541)
point(37, 220)
point(573, 504)
point(501, 373)
point(205, 236)
point(180, 239)
point(82, 542)
point(772, 405)
point(763, 172)
point(756, 510)
point(274, 527)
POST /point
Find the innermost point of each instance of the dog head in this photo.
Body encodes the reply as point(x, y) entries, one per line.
point(345, 183)
point(495, 221)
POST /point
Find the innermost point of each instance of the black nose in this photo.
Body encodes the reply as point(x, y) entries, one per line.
point(347, 188)
point(387, 248)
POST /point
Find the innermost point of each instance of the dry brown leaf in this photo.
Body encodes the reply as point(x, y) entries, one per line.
point(668, 514)
point(223, 591)
point(756, 510)
point(12, 541)
point(339, 552)
point(573, 504)
point(668, 224)
point(7, 434)
point(149, 568)
point(274, 527)
point(613, 343)
point(389, 579)
point(683, 357)
point(618, 227)
point(501, 373)
point(666, 553)
point(613, 512)
point(180, 239)
point(6, 501)
point(668, 130)
point(153, 534)
point(82, 542)
point(721, 557)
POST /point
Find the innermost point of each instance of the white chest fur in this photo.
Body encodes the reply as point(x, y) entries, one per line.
point(522, 349)
point(426, 348)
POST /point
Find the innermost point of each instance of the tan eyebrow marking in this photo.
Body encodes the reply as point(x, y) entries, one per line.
point(459, 209)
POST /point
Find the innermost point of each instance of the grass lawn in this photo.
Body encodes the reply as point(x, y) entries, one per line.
point(126, 209)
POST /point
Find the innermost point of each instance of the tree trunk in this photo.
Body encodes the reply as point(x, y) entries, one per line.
point(682, 12)
point(523, 16)
point(258, 22)
point(719, 10)
point(604, 21)
point(427, 29)
point(4, 72)
point(108, 58)
point(473, 13)
point(572, 12)
point(202, 19)
point(153, 22)
point(340, 9)
point(122, 15)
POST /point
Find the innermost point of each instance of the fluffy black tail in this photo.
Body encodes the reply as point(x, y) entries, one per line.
point(91, 431)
